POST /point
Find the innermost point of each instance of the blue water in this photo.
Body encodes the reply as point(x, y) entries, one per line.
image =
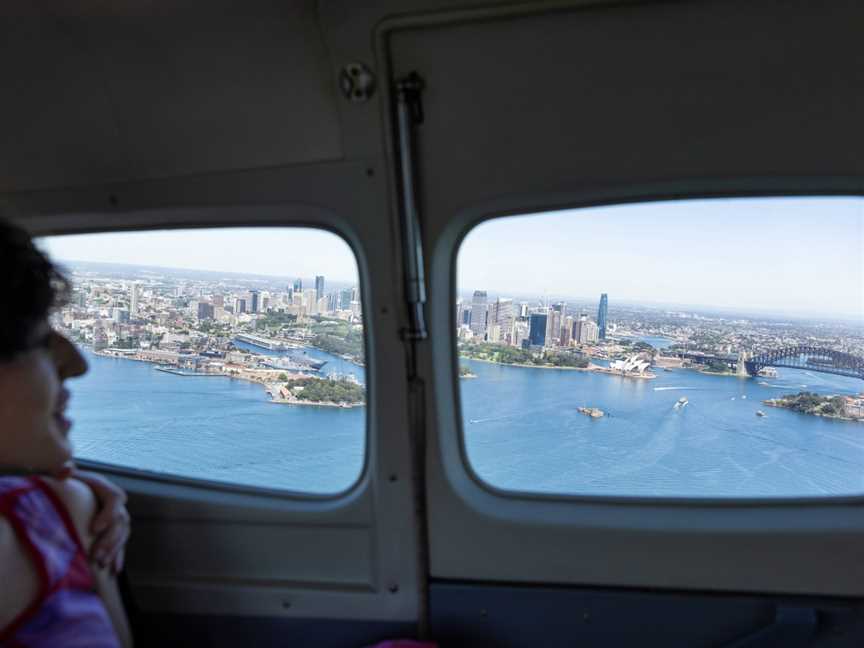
point(215, 428)
point(522, 432)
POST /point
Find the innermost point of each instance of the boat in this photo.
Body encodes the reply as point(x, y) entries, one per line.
point(760, 413)
point(593, 412)
point(682, 402)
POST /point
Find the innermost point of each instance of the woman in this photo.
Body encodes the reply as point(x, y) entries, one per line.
point(58, 587)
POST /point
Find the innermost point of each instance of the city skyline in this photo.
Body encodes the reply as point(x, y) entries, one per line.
point(737, 259)
point(268, 252)
point(650, 253)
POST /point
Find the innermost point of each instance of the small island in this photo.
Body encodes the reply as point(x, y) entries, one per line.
point(329, 392)
point(593, 412)
point(837, 407)
point(465, 372)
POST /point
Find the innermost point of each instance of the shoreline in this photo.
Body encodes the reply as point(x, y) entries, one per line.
point(284, 401)
point(591, 368)
point(773, 403)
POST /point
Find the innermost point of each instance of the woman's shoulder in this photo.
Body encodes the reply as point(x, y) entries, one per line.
point(79, 502)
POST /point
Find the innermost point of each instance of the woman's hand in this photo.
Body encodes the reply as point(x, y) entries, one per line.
point(111, 524)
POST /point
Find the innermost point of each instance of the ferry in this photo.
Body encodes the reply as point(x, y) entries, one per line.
point(292, 363)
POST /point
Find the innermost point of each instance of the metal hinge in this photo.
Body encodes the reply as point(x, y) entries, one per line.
point(409, 111)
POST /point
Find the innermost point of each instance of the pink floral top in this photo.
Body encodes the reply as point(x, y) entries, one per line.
point(67, 611)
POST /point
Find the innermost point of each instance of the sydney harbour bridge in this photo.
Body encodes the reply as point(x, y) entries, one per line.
point(801, 356)
point(811, 358)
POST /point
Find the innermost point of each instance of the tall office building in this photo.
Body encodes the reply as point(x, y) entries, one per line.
point(298, 285)
point(567, 331)
point(310, 301)
point(205, 311)
point(588, 332)
point(133, 299)
point(601, 315)
point(479, 311)
point(345, 297)
point(239, 305)
point(504, 314)
point(537, 329)
point(254, 301)
point(319, 286)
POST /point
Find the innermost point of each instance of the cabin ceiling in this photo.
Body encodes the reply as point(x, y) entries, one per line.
point(102, 93)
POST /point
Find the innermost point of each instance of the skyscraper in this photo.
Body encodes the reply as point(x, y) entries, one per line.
point(298, 285)
point(319, 286)
point(345, 296)
point(478, 313)
point(601, 315)
point(537, 329)
point(133, 299)
point(254, 301)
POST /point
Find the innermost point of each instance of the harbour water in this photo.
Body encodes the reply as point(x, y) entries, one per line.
point(522, 432)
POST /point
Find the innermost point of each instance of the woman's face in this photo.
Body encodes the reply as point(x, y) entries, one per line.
point(34, 430)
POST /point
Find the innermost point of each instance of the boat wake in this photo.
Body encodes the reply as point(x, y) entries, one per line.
point(670, 388)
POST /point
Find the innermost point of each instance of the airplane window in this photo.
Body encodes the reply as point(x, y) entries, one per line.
point(696, 348)
point(230, 355)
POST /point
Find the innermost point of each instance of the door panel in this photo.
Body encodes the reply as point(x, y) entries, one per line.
point(580, 106)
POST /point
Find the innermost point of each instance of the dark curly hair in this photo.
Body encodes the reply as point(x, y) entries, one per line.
point(30, 287)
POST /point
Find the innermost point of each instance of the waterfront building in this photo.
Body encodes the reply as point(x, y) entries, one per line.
point(537, 329)
point(319, 286)
point(602, 313)
point(493, 333)
point(479, 313)
point(460, 309)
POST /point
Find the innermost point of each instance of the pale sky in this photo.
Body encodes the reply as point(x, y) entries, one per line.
point(790, 255)
point(279, 252)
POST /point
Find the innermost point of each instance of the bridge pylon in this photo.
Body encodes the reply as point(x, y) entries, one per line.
point(741, 368)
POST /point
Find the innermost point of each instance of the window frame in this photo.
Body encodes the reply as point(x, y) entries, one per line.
point(263, 217)
point(470, 219)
